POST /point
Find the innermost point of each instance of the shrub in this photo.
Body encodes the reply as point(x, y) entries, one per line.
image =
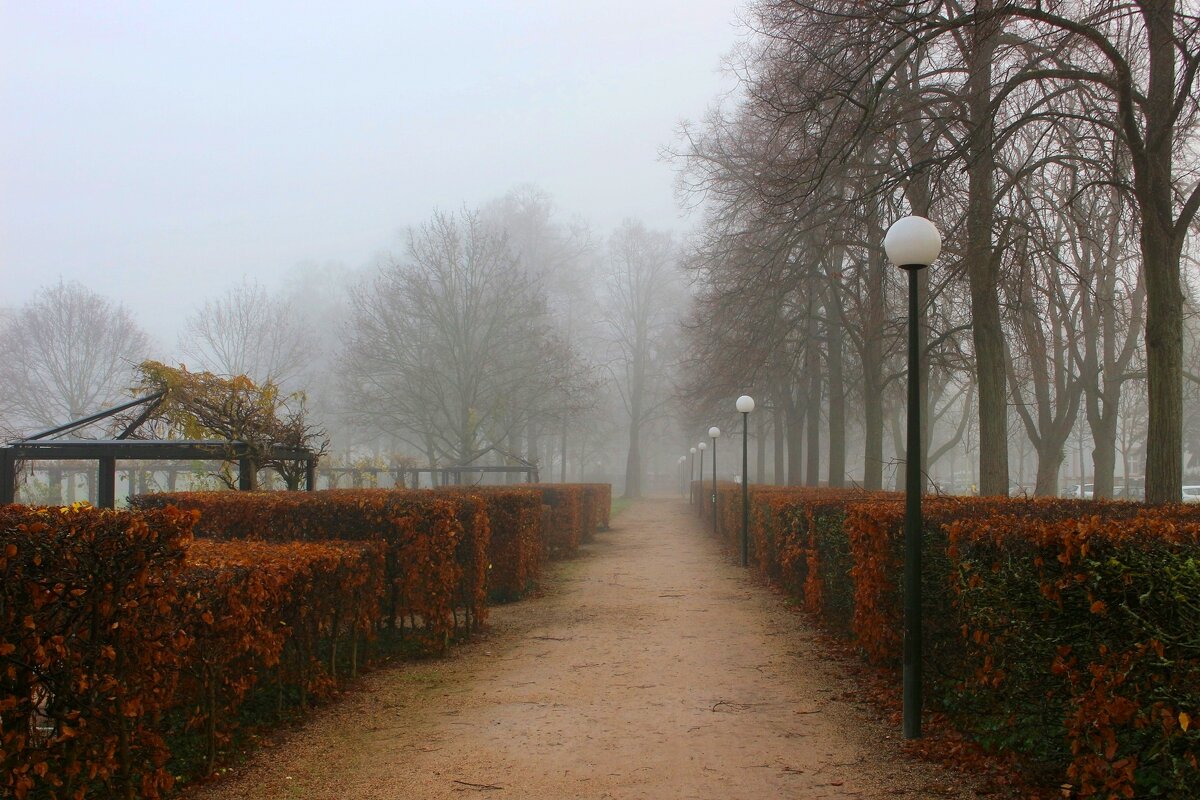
point(265, 612)
point(89, 647)
point(1063, 629)
point(515, 550)
point(432, 562)
point(564, 530)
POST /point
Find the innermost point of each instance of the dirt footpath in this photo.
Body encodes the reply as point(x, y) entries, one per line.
point(652, 668)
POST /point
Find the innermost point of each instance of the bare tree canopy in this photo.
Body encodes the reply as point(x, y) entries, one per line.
point(247, 332)
point(451, 347)
point(1054, 145)
point(67, 354)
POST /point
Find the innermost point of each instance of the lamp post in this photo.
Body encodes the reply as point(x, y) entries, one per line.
point(700, 506)
point(691, 474)
point(682, 459)
point(713, 433)
point(912, 243)
point(745, 404)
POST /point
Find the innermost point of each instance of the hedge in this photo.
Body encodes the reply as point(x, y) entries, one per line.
point(565, 522)
point(89, 645)
point(271, 616)
point(516, 549)
point(125, 647)
point(131, 652)
point(1066, 630)
point(436, 562)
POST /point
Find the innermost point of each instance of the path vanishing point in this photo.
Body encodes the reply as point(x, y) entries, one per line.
point(652, 667)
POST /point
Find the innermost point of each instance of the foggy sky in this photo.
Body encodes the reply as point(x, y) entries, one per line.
point(160, 151)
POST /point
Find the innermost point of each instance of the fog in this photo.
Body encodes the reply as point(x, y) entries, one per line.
point(153, 151)
point(568, 237)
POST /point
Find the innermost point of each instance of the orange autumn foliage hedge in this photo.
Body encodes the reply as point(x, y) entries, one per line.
point(433, 562)
point(565, 522)
point(1066, 630)
point(89, 645)
point(120, 639)
point(516, 550)
point(597, 508)
point(264, 613)
point(124, 643)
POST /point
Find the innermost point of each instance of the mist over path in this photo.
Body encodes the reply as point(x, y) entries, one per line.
point(651, 668)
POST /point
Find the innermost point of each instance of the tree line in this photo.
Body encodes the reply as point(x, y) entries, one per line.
point(493, 335)
point(1051, 142)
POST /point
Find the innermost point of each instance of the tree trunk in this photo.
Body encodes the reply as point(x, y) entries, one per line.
point(837, 389)
point(983, 269)
point(872, 434)
point(778, 445)
point(633, 467)
point(760, 447)
point(562, 469)
point(1161, 242)
point(1104, 457)
point(899, 447)
point(795, 441)
point(1050, 458)
point(813, 411)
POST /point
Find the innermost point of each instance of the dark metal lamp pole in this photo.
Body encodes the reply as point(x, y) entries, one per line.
point(714, 432)
point(745, 404)
point(691, 474)
point(912, 243)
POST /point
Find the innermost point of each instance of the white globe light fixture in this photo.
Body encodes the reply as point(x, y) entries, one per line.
point(714, 432)
point(912, 243)
point(745, 404)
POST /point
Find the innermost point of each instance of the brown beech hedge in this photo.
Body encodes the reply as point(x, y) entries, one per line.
point(1065, 630)
point(135, 644)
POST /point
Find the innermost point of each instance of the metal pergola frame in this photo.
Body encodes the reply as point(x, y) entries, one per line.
point(107, 452)
point(453, 476)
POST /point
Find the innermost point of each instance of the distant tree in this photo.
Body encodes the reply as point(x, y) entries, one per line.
point(552, 253)
point(247, 332)
point(450, 348)
point(68, 353)
point(642, 308)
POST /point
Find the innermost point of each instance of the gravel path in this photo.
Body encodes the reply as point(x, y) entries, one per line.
point(651, 668)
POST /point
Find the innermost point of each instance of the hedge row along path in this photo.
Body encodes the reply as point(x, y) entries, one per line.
point(651, 668)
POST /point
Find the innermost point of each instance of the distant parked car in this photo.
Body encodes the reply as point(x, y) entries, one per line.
point(1084, 492)
point(1191, 494)
point(1134, 493)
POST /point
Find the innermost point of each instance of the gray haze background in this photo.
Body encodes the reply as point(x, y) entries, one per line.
point(158, 152)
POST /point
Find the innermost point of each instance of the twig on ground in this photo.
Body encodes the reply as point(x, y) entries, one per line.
point(481, 787)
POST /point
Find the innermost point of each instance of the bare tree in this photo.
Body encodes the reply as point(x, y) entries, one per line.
point(247, 332)
point(644, 291)
point(69, 352)
point(450, 348)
